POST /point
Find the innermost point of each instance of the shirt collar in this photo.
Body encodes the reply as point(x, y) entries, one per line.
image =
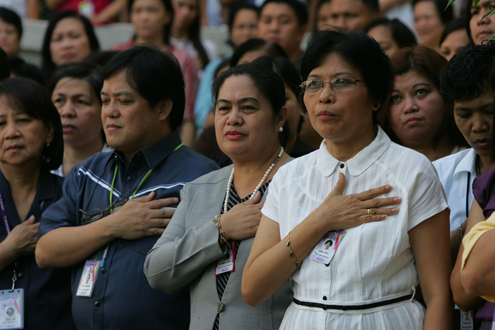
point(155, 153)
point(327, 163)
point(467, 164)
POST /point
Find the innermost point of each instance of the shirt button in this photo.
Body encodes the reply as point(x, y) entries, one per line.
point(129, 178)
point(103, 270)
point(342, 165)
point(324, 297)
point(220, 308)
point(97, 303)
point(19, 275)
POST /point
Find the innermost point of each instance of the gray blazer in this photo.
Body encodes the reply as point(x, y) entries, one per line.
point(187, 252)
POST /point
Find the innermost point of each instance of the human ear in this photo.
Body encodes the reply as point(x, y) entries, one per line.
point(164, 109)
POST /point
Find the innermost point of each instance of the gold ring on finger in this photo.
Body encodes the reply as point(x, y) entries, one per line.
point(369, 211)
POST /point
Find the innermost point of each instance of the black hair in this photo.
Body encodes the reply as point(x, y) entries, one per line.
point(168, 27)
point(222, 65)
point(154, 75)
point(267, 82)
point(20, 68)
point(457, 24)
point(82, 71)
point(47, 65)
point(273, 49)
point(360, 51)
point(401, 34)
point(288, 72)
point(100, 57)
point(300, 9)
point(446, 13)
point(468, 73)
point(11, 17)
point(30, 97)
point(4, 65)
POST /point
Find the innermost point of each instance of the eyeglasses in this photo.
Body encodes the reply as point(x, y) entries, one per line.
point(337, 84)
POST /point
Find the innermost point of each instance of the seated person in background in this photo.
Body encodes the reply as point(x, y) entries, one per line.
point(475, 111)
point(284, 22)
point(454, 38)
point(465, 83)
point(114, 205)
point(346, 14)
point(10, 31)
point(430, 19)
point(98, 11)
point(391, 35)
point(152, 21)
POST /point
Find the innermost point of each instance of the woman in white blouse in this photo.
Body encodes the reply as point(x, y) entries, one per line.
point(367, 279)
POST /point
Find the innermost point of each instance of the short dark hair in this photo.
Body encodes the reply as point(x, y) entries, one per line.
point(154, 75)
point(372, 5)
point(82, 71)
point(446, 13)
point(11, 17)
point(267, 82)
point(236, 8)
point(300, 9)
point(273, 49)
point(4, 65)
point(401, 34)
point(468, 73)
point(427, 63)
point(360, 51)
point(20, 68)
point(168, 27)
point(47, 65)
point(455, 25)
point(30, 97)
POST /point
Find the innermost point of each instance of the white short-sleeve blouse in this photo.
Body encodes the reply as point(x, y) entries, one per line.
point(374, 261)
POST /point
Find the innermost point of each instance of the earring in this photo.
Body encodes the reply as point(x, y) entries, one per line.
point(48, 144)
point(376, 106)
point(280, 129)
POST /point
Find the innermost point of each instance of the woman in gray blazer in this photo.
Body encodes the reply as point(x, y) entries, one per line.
point(208, 240)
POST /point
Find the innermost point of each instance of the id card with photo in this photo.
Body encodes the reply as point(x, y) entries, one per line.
point(325, 249)
point(12, 309)
point(88, 279)
point(467, 321)
point(226, 263)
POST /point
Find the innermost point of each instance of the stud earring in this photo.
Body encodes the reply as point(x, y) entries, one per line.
point(281, 129)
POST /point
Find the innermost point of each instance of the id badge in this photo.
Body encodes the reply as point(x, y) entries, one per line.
point(325, 249)
point(467, 322)
point(86, 8)
point(12, 309)
point(226, 263)
point(88, 279)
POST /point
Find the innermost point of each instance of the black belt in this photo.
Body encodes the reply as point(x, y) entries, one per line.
point(353, 308)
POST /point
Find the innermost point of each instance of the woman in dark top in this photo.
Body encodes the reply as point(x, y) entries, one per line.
point(31, 145)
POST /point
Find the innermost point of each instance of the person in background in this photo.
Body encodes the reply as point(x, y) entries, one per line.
point(430, 19)
point(152, 21)
point(32, 145)
point(98, 11)
point(255, 48)
point(454, 38)
point(242, 23)
point(4, 65)
point(346, 14)
point(115, 205)
point(69, 38)
point(479, 27)
point(19, 68)
point(249, 121)
point(468, 81)
point(186, 32)
point(10, 31)
point(391, 35)
point(418, 116)
point(284, 22)
point(75, 92)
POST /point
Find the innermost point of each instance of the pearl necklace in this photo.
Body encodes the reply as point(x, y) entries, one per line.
point(231, 178)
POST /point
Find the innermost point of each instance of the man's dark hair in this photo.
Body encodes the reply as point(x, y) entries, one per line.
point(400, 32)
point(11, 17)
point(154, 75)
point(300, 9)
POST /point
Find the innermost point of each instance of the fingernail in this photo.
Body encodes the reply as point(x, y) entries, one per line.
point(396, 199)
point(394, 209)
point(383, 217)
point(176, 200)
point(388, 187)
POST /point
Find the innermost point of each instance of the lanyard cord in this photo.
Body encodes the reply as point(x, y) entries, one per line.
point(467, 193)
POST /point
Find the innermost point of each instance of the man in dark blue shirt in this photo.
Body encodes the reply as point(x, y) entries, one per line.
point(114, 205)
